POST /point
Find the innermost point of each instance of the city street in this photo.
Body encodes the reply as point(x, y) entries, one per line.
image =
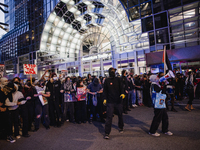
point(185, 126)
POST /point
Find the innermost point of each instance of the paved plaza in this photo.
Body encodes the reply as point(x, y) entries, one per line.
point(185, 126)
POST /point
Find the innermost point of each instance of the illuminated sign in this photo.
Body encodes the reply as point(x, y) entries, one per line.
point(99, 56)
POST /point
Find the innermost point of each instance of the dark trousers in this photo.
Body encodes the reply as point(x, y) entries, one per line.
point(54, 111)
point(15, 121)
point(81, 111)
point(5, 124)
point(109, 112)
point(191, 95)
point(24, 115)
point(159, 115)
point(39, 111)
point(30, 108)
point(94, 109)
point(70, 106)
point(125, 102)
point(172, 101)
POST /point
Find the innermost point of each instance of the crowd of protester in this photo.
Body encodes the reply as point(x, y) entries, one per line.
point(21, 107)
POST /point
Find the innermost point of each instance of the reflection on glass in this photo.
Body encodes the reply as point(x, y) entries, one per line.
point(132, 3)
point(160, 20)
point(134, 13)
point(162, 36)
point(147, 24)
point(145, 9)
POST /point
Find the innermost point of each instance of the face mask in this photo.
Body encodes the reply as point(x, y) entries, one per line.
point(112, 74)
point(55, 78)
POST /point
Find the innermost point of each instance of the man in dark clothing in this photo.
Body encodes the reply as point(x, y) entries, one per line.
point(54, 86)
point(94, 90)
point(5, 118)
point(113, 97)
point(125, 88)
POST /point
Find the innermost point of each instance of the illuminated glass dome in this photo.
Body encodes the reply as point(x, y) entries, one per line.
point(78, 28)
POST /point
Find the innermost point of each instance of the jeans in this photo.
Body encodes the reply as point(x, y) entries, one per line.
point(139, 96)
point(131, 97)
point(70, 106)
point(41, 110)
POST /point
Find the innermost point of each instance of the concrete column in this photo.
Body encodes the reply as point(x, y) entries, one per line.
point(80, 63)
point(136, 68)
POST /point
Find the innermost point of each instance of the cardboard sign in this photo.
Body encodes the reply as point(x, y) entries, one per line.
point(1, 70)
point(81, 93)
point(30, 69)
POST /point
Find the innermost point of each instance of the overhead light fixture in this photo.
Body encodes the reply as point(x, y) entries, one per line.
point(87, 3)
point(71, 2)
point(72, 9)
point(65, 1)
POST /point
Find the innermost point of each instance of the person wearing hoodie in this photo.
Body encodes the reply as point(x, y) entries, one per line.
point(94, 89)
point(5, 118)
point(113, 98)
point(66, 87)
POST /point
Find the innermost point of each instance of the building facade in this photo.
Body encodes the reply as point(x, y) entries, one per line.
point(81, 36)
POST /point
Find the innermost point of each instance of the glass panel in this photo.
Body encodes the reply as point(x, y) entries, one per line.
point(176, 17)
point(134, 13)
point(145, 9)
point(177, 36)
point(151, 38)
point(132, 3)
point(189, 13)
point(147, 24)
point(162, 36)
point(160, 20)
point(191, 25)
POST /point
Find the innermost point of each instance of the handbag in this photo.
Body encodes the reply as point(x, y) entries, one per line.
point(94, 100)
point(158, 100)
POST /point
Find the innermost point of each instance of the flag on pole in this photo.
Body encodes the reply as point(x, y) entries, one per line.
point(165, 60)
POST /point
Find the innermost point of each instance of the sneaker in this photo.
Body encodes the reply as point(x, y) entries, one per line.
point(168, 133)
point(135, 105)
point(10, 139)
point(18, 137)
point(154, 134)
point(106, 136)
point(121, 131)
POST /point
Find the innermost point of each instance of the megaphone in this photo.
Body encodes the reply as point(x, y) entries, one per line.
point(170, 74)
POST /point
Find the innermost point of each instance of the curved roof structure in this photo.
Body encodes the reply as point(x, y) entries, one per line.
point(74, 24)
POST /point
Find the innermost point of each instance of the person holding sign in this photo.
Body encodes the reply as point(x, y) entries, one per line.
point(41, 94)
point(66, 88)
point(81, 102)
point(113, 97)
point(160, 111)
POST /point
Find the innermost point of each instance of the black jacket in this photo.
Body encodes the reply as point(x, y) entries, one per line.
point(112, 90)
point(124, 83)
